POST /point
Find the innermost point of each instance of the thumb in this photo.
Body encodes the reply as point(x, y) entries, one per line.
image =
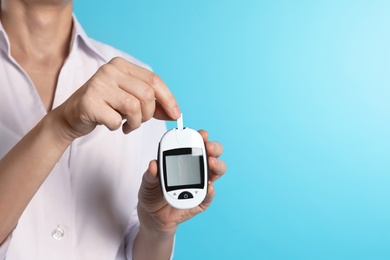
point(150, 178)
point(150, 183)
point(149, 195)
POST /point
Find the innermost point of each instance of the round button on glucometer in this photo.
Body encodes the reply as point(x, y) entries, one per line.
point(185, 195)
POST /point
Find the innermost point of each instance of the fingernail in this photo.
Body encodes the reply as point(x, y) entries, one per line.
point(176, 112)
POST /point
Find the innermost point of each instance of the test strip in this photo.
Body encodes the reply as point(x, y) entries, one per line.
point(180, 122)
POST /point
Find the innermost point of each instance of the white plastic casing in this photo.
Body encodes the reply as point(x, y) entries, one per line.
point(176, 139)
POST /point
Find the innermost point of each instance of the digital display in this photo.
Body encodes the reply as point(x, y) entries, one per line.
point(184, 167)
point(183, 170)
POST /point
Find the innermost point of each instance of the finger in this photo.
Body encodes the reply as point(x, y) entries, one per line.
point(149, 193)
point(133, 122)
point(152, 169)
point(143, 92)
point(217, 169)
point(159, 112)
point(214, 149)
point(132, 86)
point(150, 179)
point(209, 197)
point(162, 94)
point(217, 166)
point(108, 117)
point(128, 106)
point(204, 134)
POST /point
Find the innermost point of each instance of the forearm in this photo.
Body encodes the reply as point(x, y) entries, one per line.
point(150, 245)
point(25, 167)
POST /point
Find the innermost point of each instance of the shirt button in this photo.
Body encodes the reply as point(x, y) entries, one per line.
point(58, 233)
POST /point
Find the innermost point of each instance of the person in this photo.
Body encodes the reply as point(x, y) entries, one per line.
point(80, 124)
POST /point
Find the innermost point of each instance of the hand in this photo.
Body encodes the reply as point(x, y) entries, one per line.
point(118, 90)
point(155, 214)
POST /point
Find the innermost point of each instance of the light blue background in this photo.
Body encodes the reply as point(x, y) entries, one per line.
point(298, 92)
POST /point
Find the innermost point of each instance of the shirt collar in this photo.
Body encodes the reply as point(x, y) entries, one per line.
point(78, 33)
point(4, 42)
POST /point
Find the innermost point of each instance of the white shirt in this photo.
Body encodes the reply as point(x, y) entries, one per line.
point(86, 208)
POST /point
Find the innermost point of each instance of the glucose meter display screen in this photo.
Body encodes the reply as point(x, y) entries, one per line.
point(184, 167)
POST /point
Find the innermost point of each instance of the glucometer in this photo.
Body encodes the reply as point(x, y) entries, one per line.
point(182, 166)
